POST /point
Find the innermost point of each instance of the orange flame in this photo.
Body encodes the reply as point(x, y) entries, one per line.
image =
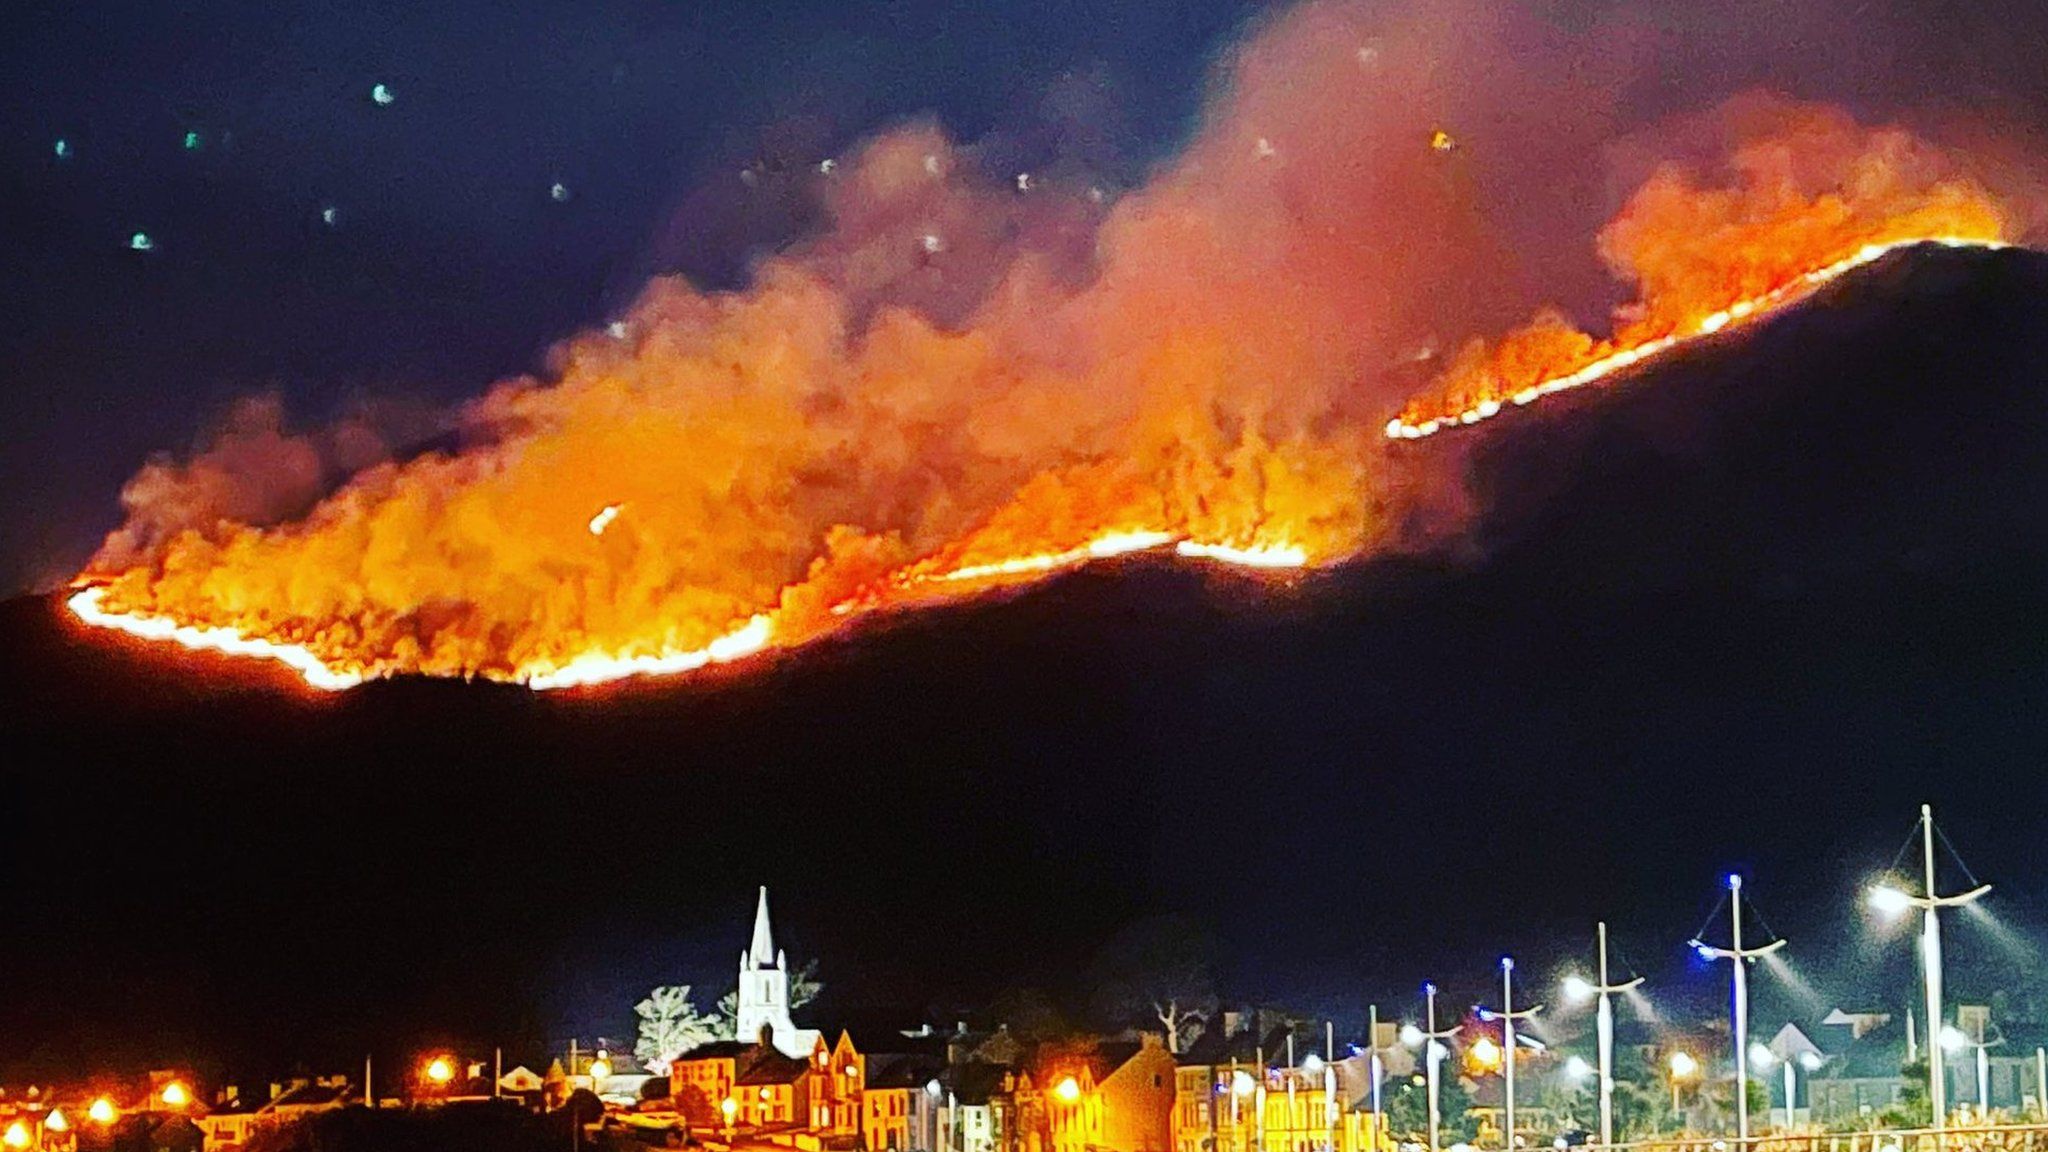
point(1708, 258)
point(883, 421)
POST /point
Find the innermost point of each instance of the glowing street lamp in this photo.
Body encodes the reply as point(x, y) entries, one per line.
point(17, 1135)
point(1953, 1039)
point(101, 1111)
point(1889, 902)
point(1579, 989)
point(1739, 1011)
point(730, 1107)
point(175, 1094)
point(1763, 1057)
point(1683, 1067)
point(439, 1071)
point(55, 1121)
point(1069, 1089)
point(1507, 1017)
point(1431, 1042)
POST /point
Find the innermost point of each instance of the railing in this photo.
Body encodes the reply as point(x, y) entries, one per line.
point(1960, 1138)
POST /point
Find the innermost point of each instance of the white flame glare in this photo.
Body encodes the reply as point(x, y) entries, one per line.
point(756, 634)
point(86, 606)
point(1797, 289)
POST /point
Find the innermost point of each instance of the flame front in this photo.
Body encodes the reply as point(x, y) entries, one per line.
point(970, 382)
point(1706, 258)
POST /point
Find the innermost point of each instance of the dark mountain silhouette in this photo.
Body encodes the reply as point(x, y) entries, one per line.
point(1746, 609)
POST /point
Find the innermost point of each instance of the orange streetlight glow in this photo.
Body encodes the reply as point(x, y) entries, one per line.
point(1069, 1090)
point(55, 1121)
point(17, 1135)
point(440, 1070)
point(101, 1111)
point(175, 1094)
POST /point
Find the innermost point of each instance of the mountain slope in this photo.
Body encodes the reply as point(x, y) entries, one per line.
point(1745, 608)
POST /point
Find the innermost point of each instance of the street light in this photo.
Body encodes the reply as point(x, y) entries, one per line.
point(1578, 990)
point(175, 1094)
point(1683, 1067)
point(17, 1135)
point(440, 1070)
point(1507, 1017)
point(1739, 998)
point(1954, 1039)
point(101, 1111)
point(1433, 1051)
point(1069, 1090)
point(55, 1121)
point(1890, 901)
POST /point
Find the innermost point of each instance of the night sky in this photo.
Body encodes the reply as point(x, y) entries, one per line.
point(1748, 614)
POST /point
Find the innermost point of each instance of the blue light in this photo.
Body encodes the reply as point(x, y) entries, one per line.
point(1734, 880)
point(1429, 989)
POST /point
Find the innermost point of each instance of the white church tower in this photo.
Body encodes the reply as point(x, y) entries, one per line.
point(764, 993)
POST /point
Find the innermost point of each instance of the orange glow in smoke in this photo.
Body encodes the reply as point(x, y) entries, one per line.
point(1785, 213)
point(965, 384)
point(747, 639)
point(1497, 393)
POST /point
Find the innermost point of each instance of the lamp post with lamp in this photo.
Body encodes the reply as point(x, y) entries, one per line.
point(1739, 959)
point(1578, 988)
point(1888, 900)
point(1431, 1042)
point(1507, 1017)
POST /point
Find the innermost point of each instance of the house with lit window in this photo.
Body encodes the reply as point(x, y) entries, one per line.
point(1238, 1090)
point(971, 1113)
point(1116, 1095)
point(773, 1092)
point(702, 1079)
point(899, 1105)
point(837, 1078)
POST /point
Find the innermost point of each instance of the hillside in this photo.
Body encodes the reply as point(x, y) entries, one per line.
point(1740, 579)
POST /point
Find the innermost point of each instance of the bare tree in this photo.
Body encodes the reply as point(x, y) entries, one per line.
point(669, 1026)
point(1156, 970)
point(804, 987)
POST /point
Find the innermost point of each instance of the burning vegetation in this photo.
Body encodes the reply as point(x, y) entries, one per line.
point(970, 379)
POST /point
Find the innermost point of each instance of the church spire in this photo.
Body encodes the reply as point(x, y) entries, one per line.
point(762, 954)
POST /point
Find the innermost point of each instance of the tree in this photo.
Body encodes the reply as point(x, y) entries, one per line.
point(1156, 970)
point(1912, 1109)
point(1407, 1106)
point(804, 987)
point(669, 1026)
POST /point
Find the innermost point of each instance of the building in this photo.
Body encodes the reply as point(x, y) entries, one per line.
point(835, 1091)
point(773, 1091)
point(972, 1116)
point(899, 1104)
point(1117, 1095)
point(1862, 1077)
point(764, 993)
point(702, 1080)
